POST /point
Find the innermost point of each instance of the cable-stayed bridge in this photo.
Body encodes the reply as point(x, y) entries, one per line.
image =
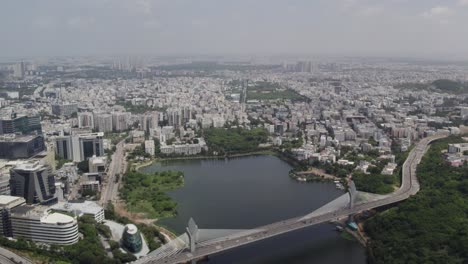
point(197, 243)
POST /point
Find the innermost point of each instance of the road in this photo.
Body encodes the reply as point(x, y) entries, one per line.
point(117, 166)
point(8, 257)
point(409, 186)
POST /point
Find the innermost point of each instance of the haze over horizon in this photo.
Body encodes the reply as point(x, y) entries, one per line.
point(341, 27)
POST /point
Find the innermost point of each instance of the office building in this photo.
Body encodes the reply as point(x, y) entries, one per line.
point(8, 202)
point(14, 124)
point(40, 224)
point(4, 182)
point(79, 147)
point(63, 147)
point(33, 182)
point(21, 147)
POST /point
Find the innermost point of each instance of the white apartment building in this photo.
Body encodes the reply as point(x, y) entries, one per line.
point(103, 122)
point(149, 147)
point(86, 120)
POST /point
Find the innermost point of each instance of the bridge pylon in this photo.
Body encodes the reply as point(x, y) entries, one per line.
point(352, 194)
point(352, 197)
point(192, 233)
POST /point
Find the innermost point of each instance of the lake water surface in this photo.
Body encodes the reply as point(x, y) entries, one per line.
point(247, 192)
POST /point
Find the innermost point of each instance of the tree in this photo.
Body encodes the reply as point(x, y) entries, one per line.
point(83, 166)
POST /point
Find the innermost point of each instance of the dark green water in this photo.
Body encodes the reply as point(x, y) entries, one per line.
point(247, 192)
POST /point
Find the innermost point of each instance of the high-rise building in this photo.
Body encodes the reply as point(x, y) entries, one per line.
point(149, 147)
point(21, 147)
point(33, 182)
point(18, 70)
point(103, 122)
point(79, 147)
point(174, 117)
point(86, 120)
point(304, 66)
point(120, 121)
point(63, 147)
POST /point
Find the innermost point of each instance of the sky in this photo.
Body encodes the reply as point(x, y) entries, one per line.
point(170, 27)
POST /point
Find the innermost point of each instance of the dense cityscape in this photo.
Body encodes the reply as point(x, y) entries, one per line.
point(233, 132)
point(75, 132)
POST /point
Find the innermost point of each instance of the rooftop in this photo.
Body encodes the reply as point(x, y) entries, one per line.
point(6, 200)
point(40, 212)
point(57, 218)
point(17, 138)
point(29, 166)
point(86, 207)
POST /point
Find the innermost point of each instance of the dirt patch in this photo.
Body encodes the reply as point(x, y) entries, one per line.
point(318, 172)
point(140, 218)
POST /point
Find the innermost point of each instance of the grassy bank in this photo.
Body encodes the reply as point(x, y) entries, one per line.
point(146, 192)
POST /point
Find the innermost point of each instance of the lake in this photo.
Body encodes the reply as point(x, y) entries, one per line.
point(247, 192)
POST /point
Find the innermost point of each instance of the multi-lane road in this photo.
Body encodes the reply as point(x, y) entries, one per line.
point(8, 257)
point(409, 186)
point(117, 168)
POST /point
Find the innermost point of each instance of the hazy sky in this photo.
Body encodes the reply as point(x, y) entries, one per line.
point(352, 27)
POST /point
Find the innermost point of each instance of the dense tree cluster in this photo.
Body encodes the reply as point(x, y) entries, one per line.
point(431, 227)
point(146, 193)
point(235, 140)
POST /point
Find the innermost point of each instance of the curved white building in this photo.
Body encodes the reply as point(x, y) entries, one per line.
point(39, 224)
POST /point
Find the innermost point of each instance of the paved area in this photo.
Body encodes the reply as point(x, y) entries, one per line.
point(8, 257)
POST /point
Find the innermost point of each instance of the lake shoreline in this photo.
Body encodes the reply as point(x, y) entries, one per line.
point(293, 163)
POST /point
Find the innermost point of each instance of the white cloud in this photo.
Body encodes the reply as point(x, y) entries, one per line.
point(198, 22)
point(144, 6)
point(80, 22)
point(438, 11)
point(44, 22)
point(463, 2)
point(153, 24)
point(370, 11)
